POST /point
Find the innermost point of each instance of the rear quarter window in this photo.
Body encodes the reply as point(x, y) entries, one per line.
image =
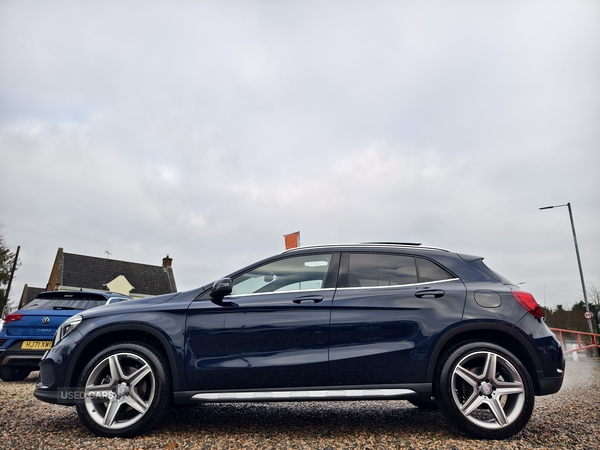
point(480, 265)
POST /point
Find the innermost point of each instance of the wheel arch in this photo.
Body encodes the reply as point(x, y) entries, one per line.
point(105, 336)
point(501, 334)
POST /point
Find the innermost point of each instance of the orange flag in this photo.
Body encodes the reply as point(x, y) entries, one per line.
point(292, 240)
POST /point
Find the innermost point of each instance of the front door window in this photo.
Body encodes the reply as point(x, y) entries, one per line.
point(301, 273)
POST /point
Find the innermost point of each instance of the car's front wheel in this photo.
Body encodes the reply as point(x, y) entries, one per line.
point(485, 391)
point(125, 390)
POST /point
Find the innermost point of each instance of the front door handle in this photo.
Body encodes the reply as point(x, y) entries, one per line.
point(309, 298)
point(430, 293)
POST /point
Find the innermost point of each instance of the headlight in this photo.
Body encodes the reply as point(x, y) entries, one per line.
point(66, 327)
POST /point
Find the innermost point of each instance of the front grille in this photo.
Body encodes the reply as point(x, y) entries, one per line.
point(47, 376)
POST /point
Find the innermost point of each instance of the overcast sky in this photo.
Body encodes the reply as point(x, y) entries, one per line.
point(208, 130)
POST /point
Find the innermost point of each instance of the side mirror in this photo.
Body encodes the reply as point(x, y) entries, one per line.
point(221, 288)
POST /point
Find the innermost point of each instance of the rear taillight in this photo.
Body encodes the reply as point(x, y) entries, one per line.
point(527, 301)
point(12, 317)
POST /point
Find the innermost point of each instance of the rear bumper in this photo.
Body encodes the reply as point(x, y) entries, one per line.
point(25, 358)
point(552, 375)
point(549, 385)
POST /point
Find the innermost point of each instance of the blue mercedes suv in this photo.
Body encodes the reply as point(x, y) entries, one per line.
point(372, 321)
point(27, 333)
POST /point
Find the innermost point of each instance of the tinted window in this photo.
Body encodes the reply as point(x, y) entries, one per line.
point(430, 271)
point(480, 265)
point(298, 273)
point(370, 269)
point(65, 303)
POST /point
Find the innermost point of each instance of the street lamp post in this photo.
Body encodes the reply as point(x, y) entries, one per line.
point(587, 307)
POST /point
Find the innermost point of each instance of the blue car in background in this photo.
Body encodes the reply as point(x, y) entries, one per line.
point(27, 333)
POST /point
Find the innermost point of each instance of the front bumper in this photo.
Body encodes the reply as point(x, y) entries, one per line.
point(50, 386)
point(48, 397)
point(53, 379)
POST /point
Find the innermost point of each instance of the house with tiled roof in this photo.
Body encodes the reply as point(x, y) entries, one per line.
point(29, 293)
point(75, 272)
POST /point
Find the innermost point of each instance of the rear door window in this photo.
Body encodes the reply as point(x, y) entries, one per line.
point(430, 271)
point(385, 269)
point(380, 269)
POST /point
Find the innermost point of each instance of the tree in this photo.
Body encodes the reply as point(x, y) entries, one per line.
point(568, 320)
point(593, 296)
point(574, 319)
point(7, 259)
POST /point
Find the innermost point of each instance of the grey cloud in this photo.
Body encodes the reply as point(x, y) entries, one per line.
point(207, 130)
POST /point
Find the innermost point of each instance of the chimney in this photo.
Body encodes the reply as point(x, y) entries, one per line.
point(167, 261)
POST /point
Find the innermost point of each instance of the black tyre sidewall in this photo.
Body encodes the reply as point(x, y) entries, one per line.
point(452, 413)
point(424, 404)
point(14, 373)
point(162, 396)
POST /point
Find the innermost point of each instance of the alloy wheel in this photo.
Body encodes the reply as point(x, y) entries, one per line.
point(488, 390)
point(119, 390)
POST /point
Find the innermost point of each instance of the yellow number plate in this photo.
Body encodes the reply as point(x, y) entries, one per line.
point(36, 345)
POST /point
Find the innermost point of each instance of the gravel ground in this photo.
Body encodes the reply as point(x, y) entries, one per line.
point(569, 420)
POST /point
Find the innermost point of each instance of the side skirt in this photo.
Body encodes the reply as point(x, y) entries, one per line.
point(413, 391)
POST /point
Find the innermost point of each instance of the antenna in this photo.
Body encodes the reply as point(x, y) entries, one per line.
point(107, 253)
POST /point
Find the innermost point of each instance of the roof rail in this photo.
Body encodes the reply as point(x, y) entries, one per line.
point(368, 244)
point(393, 243)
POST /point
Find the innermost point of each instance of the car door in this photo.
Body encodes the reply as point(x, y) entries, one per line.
point(386, 314)
point(271, 332)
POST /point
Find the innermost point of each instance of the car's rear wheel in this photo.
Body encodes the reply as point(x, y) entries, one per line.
point(126, 390)
point(14, 373)
point(424, 404)
point(485, 391)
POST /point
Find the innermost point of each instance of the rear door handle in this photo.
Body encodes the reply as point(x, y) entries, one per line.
point(430, 293)
point(309, 298)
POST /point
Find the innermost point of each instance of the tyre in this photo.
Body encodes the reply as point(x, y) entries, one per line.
point(125, 390)
point(485, 391)
point(424, 404)
point(14, 373)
